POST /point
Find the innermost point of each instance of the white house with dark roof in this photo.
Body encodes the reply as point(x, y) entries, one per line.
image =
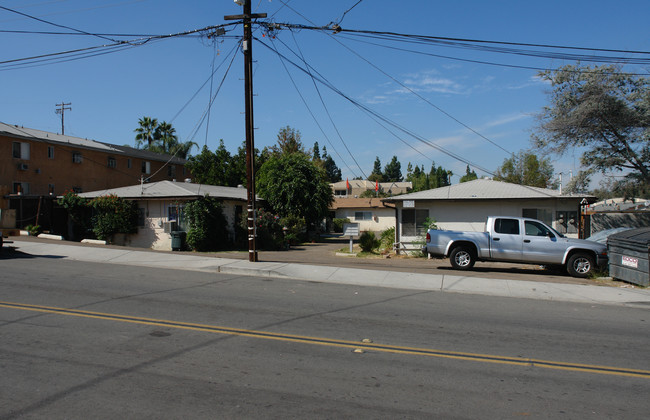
point(466, 206)
point(161, 208)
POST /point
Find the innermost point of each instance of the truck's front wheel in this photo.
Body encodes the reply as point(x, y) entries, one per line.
point(580, 264)
point(462, 258)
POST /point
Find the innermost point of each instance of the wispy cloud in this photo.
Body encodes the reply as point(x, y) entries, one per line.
point(507, 119)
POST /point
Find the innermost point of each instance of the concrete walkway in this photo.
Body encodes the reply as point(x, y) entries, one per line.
point(453, 282)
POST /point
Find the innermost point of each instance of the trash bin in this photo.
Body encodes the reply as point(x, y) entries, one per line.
point(178, 240)
point(628, 256)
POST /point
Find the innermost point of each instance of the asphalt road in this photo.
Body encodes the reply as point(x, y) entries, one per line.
point(84, 340)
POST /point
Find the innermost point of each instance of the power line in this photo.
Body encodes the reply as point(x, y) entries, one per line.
point(367, 109)
point(56, 24)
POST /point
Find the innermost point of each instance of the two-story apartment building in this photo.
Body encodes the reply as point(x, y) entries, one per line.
point(34, 162)
point(36, 166)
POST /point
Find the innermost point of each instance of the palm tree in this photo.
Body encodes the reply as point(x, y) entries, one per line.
point(146, 132)
point(182, 150)
point(166, 137)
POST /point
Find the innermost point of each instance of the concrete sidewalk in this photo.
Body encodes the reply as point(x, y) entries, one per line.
point(454, 283)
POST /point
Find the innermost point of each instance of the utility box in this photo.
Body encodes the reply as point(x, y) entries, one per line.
point(629, 253)
point(178, 240)
point(8, 218)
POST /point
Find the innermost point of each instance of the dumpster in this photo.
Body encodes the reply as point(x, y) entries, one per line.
point(628, 256)
point(178, 240)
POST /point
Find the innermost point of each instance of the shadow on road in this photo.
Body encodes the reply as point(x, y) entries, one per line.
point(11, 253)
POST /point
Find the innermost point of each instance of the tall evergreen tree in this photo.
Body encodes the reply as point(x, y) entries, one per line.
point(376, 174)
point(393, 171)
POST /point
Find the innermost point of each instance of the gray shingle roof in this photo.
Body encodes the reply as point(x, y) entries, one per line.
point(169, 189)
point(481, 189)
point(45, 136)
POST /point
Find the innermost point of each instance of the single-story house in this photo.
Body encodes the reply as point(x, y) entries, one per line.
point(161, 208)
point(372, 214)
point(355, 187)
point(465, 206)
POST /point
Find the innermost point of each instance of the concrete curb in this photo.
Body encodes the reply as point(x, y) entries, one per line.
point(350, 276)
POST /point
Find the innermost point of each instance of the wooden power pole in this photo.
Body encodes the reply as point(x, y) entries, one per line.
point(247, 48)
point(61, 110)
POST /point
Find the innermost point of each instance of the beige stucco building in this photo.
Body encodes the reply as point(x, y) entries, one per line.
point(161, 209)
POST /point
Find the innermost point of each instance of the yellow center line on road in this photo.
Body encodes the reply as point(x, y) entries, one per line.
point(386, 348)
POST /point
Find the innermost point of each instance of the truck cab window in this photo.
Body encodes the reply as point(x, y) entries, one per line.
point(536, 229)
point(506, 226)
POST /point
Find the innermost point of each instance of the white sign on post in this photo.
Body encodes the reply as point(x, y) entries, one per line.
point(351, 230)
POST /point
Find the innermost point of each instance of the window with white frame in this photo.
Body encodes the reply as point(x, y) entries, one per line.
point(362, 215)
point(146, 167)
point(112, 163)
point(20, 150)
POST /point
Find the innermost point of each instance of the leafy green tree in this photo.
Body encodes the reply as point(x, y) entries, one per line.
point(393, 171)
point(294, 186)
point(376, 174)
point(316, 152)
point(208, 231)
point(111, 215)
point(289, 141)
point(439, 177)
point(204, 167)
point(332, 171)
point(525, 169)
point(602, 112)
point(469, 175)
point(145, 133)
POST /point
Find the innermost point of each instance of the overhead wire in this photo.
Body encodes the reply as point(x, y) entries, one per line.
point(313, 73)
point(56, 24)
point(329, 115)
point(314, 117)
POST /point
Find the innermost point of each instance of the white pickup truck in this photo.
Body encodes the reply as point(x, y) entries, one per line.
point(518, 240)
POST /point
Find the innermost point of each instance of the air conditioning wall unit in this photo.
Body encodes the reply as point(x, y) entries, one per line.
point(23, 166)
point(169, 227)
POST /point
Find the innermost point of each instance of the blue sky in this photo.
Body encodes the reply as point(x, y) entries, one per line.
point(110, 92)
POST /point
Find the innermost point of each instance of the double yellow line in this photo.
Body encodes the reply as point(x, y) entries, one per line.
point(362, 346)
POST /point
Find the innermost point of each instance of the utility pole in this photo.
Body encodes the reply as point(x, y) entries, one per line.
point(61, 110)
point(247, 48)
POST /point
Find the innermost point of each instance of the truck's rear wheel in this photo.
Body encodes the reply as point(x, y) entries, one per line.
point(462, 258)
point(580, 264)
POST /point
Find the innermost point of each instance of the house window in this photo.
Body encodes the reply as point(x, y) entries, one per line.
point(128, 163)
point(146, 167)
point(112, 163)
point(76, 190)
point(21, 187)
point(50, 189)
point(413, 222)
point(76, 157)
point(362, 215)
point(50, 152)
point(544, 215)
point(340, 193)
point(171, 171)
point(20, 150)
